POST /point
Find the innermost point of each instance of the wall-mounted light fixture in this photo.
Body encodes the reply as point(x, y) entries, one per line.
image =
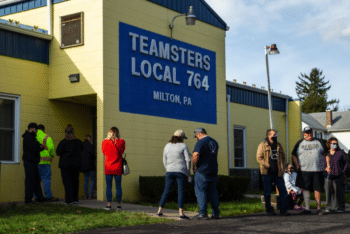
point(190, 20)
point(74, 78)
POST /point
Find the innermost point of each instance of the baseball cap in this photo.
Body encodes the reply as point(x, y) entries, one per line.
point(198, 130)
point(307, 129)
point(180, 133)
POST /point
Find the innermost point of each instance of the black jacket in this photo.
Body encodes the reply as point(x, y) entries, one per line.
point(31, 147)
point(70, 153)
point(88, 157)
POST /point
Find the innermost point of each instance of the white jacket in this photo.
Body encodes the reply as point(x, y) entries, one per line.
point(289, 181)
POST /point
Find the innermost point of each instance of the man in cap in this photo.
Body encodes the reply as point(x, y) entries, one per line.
point(309, 158)
point(205, 168)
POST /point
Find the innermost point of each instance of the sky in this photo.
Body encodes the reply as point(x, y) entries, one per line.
point(308, 33)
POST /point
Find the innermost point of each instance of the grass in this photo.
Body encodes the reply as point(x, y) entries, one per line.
point(58, 218)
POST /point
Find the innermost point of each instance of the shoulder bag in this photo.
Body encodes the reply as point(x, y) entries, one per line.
point(125, 166)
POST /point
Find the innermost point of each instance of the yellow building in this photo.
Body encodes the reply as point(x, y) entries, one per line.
point(102, 63)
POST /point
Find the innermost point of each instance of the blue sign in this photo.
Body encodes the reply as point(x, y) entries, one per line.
point(165, 78)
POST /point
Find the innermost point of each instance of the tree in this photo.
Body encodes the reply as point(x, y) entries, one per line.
point(312, 90)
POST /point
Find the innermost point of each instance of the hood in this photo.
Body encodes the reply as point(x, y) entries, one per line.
point(28, 133)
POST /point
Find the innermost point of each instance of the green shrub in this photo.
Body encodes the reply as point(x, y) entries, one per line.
point(229, 188)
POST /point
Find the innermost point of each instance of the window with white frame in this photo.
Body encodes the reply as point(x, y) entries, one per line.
point(9, 128)
point(239, 139)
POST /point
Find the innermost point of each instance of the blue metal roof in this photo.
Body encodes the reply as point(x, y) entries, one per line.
point(24, 6)
point(201, 9)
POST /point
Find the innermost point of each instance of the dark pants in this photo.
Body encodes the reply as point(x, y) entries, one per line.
point(32, 182)
point(279, 182)
point(70, 179)
point(335, 194)
point(170, 178)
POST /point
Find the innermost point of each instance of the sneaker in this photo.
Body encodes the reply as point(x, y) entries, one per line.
point(69, 203)
point(285, 213)
point(75, 202)
point(53, 199)
point(200, 216)
point(119, 208)
point(305, 212)
point(271, 213)
point(340, 211)
point(108, 208)
point(184, 217)
point(319, 212)
point(159, 214)
point(328, 211)
point(215, 217)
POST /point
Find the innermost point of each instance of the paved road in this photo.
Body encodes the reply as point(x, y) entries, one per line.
point(255, 223)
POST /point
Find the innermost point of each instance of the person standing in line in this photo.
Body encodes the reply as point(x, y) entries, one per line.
point(88, 166)
point(205, 168)
point(69, 150)
point(31, 159)
point(46, 157)
point(177, 162)
point(113, 148)
point(271, 157)
point(309, 158)
point(335, 176)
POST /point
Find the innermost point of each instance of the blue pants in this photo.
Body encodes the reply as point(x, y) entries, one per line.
point(45, 175)
point(118, 185)
point(170, 178)
point(279, 182)
point(205, 187)
point(92, 176)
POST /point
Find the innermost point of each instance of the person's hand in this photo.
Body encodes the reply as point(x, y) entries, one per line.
point(328, 170)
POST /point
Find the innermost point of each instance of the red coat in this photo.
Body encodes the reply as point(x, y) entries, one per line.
point(113, 157)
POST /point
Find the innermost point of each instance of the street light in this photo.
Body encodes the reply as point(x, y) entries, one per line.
point(270, 50)
point(190, 20)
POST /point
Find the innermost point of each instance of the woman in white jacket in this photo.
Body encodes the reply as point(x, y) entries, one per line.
point(290, 178)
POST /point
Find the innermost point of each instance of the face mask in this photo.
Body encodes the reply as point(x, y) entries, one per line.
point(274, 139)
point(334, 146)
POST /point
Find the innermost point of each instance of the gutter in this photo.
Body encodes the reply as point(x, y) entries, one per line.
point(28, 32)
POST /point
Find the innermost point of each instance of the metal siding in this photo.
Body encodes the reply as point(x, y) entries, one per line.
point(23, 6)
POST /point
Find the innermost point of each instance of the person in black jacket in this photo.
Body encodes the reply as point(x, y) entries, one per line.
point(69, 150)
point(88, 166)
point(31, 159)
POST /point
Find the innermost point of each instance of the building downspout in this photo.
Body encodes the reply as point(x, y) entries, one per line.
point(49, 17)
point(287, 132)
point(229, 131)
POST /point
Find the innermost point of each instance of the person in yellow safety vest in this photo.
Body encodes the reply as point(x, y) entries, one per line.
point(45, 161)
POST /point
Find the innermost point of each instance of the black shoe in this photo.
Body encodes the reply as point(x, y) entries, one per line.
point(184, 217)
point(29, 202)
point(271, 213)
point(285, 213)
point(319, 212)
point(159, 214)
point(119, 208)
point(200, 216)
point(305, 212)
point(43, 200)
point(215, 217)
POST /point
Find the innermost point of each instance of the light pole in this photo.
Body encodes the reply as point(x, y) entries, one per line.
point(270, 50)
point(190, 20)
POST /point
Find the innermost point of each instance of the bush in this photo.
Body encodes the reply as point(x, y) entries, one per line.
point(229, 188)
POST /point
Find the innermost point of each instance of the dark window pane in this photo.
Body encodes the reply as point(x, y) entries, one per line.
point(7, 108)
point(239, 163)
point(239, 153)
point(6, 145)
point(238, 137)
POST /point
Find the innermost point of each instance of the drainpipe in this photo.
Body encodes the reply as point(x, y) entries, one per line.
point(229, 131)
point(49, 17)
point(287, 132)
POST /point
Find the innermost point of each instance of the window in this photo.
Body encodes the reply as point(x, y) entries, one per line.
point(9, 128)
point(239, 138)
point(72, 30)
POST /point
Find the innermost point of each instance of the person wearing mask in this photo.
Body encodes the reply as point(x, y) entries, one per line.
point(113, 148)
point(271, 157)
point(46, 157)
point(205, 168)
point(296, 194)
point(69, 150)
point(177, 162)
point(335, 176)
point(31, 159)
point(88, 166)
point(309, 158)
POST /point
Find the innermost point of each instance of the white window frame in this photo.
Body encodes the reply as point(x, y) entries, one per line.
point(17, 127)
point(244, 145)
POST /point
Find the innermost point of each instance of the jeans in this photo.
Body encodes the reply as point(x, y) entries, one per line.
point(118, 185)
point(279, 182)
point(45, 175)
point(205, 187)
point(92, 176)
point(181, 180)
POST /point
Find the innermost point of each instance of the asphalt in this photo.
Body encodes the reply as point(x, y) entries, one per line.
point(253, 223)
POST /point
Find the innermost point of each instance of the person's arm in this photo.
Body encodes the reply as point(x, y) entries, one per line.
point(60, 148)
point(50, 146)
point(294, 155)
point(165, 157)
point(121, 146)
point(345, 163)
point(260, 156)
point(195, 158)
point(33, 144)
point(187, 158)
point(287, 181)
point(283, 157)
point(328, 165)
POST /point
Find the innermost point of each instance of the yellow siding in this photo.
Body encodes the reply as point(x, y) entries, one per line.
point(294, 124)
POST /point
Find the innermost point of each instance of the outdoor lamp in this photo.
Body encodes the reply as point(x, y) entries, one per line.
point(190, 20)
point(270, 50)
point(74, 78)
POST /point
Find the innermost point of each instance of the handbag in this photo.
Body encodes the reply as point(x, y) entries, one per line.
point(125, 166)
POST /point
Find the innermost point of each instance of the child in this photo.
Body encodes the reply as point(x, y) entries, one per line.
point(290, 178)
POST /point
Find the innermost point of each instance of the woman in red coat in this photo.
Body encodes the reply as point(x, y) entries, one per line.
point(113, 148)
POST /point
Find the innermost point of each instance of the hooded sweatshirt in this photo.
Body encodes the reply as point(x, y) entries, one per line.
point(31, 147)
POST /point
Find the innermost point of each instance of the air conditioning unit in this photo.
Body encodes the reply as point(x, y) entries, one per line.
point(72, 33)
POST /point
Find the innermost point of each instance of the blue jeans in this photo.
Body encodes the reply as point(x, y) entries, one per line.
point(181, 180)
point(92, 176)
point(279, 182)
point(205, 187)
point(45, 175)
point(118, 185)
